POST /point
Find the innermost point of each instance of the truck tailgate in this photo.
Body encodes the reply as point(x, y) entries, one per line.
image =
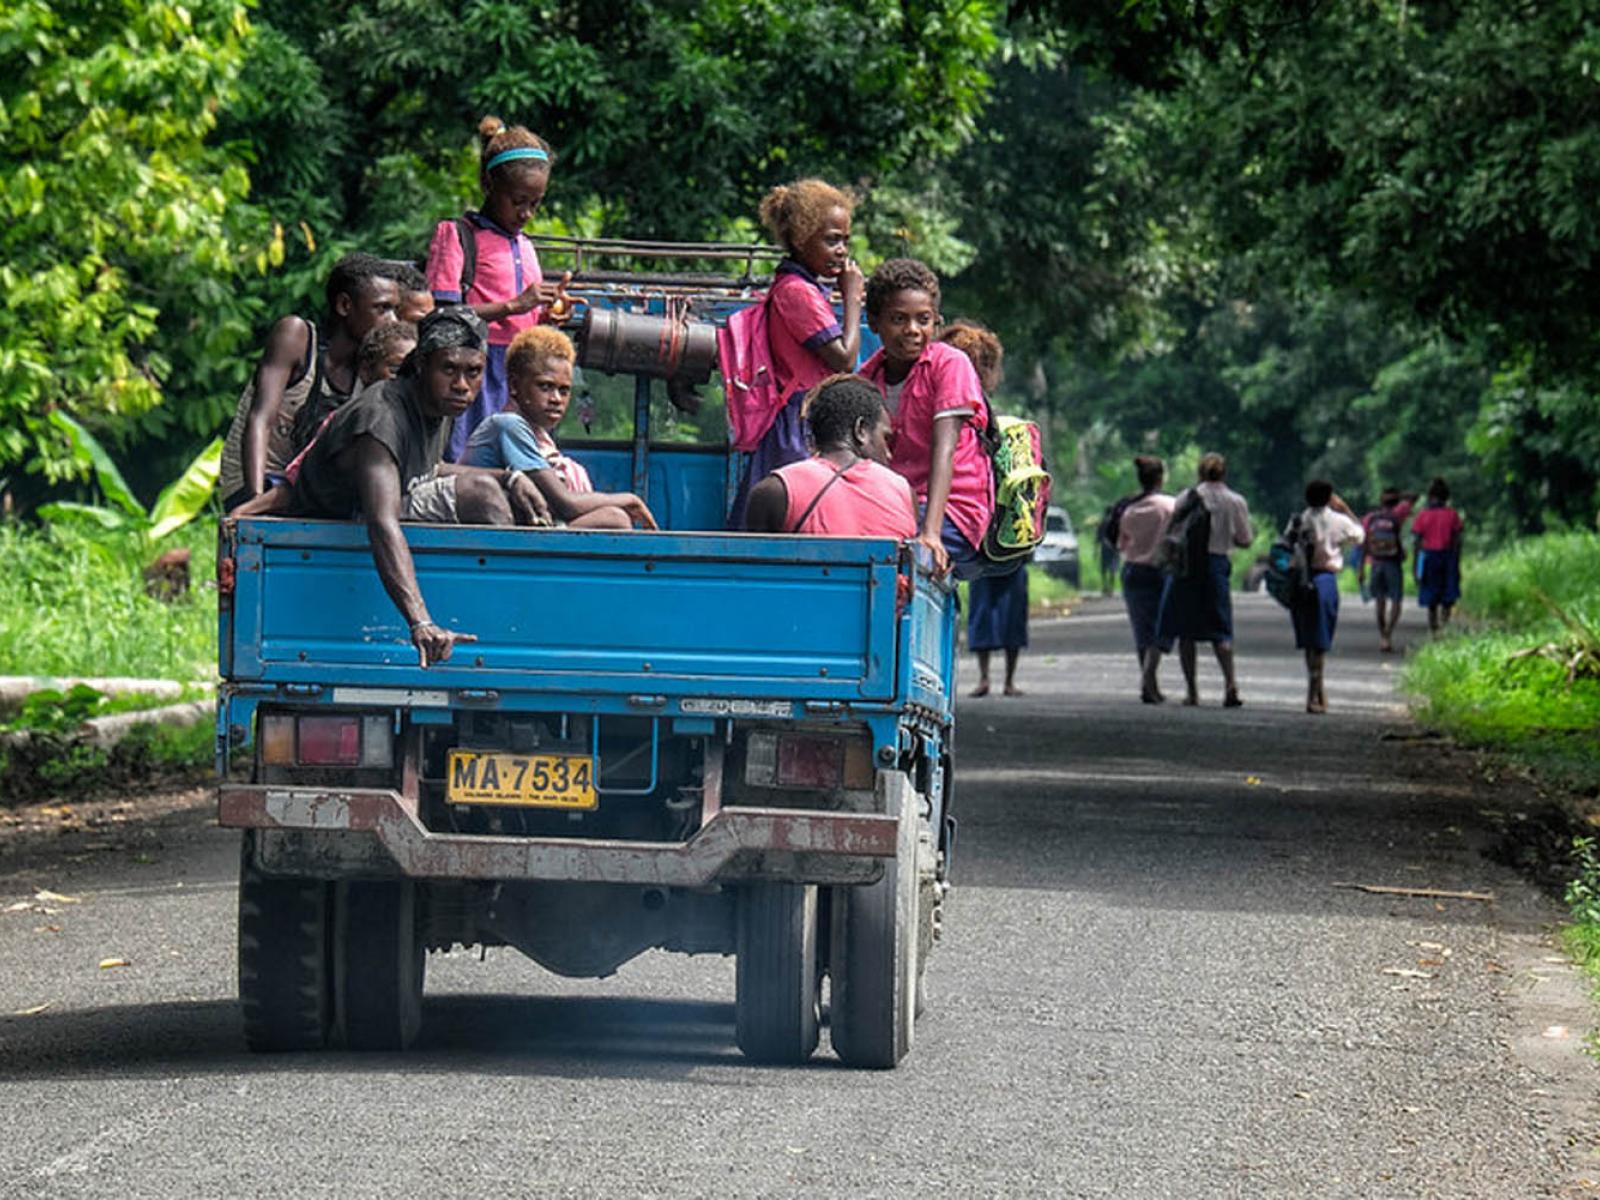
point(736, 615)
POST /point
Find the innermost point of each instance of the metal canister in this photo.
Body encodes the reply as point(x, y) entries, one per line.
point(629, 343)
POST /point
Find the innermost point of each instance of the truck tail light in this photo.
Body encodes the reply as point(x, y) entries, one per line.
point(332, 740)
point(809, 760)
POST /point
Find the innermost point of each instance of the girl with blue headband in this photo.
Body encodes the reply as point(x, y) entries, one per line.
point(484, 260)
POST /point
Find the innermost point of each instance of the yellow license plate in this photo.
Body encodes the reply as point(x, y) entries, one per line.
point(525, 780)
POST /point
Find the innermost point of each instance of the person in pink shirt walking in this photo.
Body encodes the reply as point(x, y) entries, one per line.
point(1437, 531)
point(485, 261)
point(936, 403)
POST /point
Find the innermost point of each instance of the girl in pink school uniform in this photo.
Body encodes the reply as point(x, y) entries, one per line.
point(506, 287)
point(811, 220)
point(936, 402)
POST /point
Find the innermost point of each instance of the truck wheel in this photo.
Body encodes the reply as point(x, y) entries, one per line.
point(777, 983)
point(379, 961)
point(874, 961)
point(285, 985)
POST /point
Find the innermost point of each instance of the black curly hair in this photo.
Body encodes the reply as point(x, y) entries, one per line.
point(353, 274)
point(406, 275)
point(900, 275)
point(835, 405)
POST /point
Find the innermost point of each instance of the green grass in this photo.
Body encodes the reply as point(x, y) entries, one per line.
point(72, 602)
point(1468, 684)
point(153, 755)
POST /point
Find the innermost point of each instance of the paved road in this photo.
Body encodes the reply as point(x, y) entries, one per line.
point(1150, 987)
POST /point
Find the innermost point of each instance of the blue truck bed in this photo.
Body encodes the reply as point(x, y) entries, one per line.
point(592, 618)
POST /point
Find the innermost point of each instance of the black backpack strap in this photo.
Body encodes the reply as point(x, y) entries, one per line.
point(989, 435)
point(467, 235)
point(838, 474)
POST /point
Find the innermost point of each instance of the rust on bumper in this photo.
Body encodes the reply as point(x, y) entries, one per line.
point(734, 843)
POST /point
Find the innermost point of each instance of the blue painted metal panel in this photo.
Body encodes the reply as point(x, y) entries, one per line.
point(587, 612)
point(687, 486)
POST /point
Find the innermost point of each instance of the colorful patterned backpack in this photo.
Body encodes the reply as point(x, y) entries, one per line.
point(1021, 487)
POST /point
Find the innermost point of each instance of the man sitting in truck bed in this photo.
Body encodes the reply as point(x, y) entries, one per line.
point(379, 459)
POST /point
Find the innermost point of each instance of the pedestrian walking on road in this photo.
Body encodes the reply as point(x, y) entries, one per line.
point(1383, 556)
point(998, 621)
point(1437, 531)
point(1138, 540)
point(1327, 525)
point(1198, 606)
point(998, 617)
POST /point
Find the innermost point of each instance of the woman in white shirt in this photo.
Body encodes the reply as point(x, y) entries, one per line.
point(1139, 528)
point(1329, 526)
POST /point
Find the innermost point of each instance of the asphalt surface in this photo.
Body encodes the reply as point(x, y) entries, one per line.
point(1150, 986)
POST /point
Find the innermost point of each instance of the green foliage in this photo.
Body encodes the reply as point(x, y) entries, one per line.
point(50, 710)
point(1486, 688)
point(72, 602)
point(53, 763)
point(672, 119)
point(1582, 894)
point(179, 502)
point(53, 711)
point(112, 204)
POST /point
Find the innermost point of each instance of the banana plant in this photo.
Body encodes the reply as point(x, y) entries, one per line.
point(179, 502)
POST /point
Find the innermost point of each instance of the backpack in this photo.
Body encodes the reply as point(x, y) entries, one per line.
point(467, 236)
point(1383, 536)
point(1110, 530)
point(1186, 544)
point(1021, 487)
point(744, 355)
point(1288, 578)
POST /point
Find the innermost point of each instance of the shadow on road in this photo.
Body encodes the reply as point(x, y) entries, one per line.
point(580, 1037)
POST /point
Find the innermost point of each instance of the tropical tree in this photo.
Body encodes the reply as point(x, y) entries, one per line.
point(112, 204)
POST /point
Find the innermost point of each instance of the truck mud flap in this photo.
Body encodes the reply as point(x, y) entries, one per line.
point(332, 832)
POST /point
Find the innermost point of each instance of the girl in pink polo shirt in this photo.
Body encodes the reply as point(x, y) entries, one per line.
point(810, 219)
point(504, 285)
point(937, 406)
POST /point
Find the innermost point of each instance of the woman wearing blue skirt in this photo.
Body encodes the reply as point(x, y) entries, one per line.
point(998, 621)
point(1139, 526)
point(1329, 526)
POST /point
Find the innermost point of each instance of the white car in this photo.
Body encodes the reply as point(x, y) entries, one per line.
point(1058, 553)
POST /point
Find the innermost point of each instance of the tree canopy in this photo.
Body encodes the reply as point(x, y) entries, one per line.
point(1353, 239)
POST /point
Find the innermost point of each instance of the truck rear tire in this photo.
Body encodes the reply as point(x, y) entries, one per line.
point(285, 978)
point(379, 963)
point(776, 1006)
point(874, 967)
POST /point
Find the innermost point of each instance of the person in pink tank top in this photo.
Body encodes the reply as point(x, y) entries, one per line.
point(847, 489)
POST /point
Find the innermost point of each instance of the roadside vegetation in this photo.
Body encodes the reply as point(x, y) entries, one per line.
point(73, 601)
point(1522, 679)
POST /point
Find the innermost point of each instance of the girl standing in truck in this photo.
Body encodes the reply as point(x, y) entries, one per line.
point(484, 260)
point(937, 403)
point(810, 219)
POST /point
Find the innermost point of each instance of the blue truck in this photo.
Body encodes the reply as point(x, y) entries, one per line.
point(689, 739)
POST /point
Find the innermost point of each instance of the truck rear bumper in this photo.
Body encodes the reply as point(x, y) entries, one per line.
point(336, 832)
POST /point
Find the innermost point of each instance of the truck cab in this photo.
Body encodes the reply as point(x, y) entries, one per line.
point(691, 739)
